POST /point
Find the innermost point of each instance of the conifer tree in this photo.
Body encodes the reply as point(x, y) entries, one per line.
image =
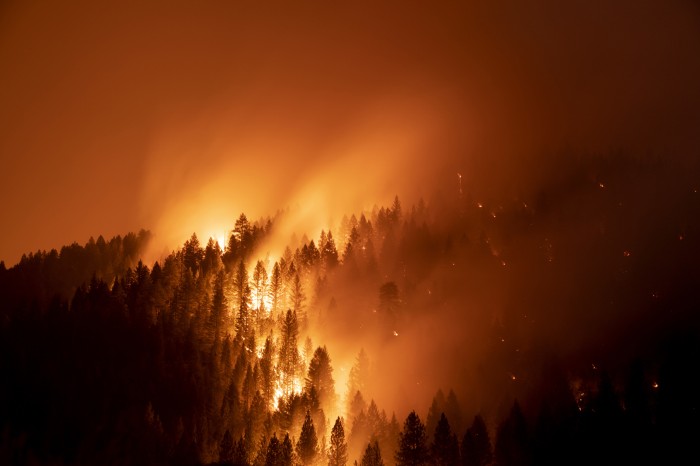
point(286, 452)
point(320, 376)
point(274, 452)
point(512, 446)
point(476, 445)
point(413, 450)
point(338, 449)
point(289, 358)
point(226, 448)
point(445, 449)
point(307, 446)
point(372, 455)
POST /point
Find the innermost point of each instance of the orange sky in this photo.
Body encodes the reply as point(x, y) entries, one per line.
point(177, 116)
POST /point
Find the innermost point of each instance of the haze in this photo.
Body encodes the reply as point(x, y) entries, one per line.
point(176, 117)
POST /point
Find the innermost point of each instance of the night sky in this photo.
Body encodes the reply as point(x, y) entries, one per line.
point(176, 116)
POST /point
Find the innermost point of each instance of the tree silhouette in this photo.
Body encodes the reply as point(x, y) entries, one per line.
point(372, 455)
point(289, 358)
point(226, 448)
point(307, 445)
point(320, 376)
point(445, 449)
point(512, 443)
point(338, 449)
point(413, 450)
point(476, 445)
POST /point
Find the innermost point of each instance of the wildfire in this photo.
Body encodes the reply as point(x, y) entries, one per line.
point(221, 240)
point(296, 389)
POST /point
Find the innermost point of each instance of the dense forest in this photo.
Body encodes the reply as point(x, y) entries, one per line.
point(556, 327)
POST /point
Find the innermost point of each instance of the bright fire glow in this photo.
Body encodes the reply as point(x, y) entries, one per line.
point(221, 239)
point(297, 388)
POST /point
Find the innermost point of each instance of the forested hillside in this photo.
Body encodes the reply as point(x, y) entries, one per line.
point(558, 338)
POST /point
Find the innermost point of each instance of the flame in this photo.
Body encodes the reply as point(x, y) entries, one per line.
point(297, 388)
point(221, 239)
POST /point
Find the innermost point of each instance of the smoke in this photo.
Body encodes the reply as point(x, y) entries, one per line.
point(201, 175)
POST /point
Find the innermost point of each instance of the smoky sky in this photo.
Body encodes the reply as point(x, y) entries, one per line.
point(177, 116)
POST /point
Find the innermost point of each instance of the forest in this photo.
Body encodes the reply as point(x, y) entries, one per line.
point(556, 327)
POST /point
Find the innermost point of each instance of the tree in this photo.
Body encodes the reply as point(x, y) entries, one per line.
point(338, 450)
point(372, 456)
point(359, 375)
point(437, 408)
point(243, 231)
point(274, 452)
point(286, 452)
point(307, 446)
point(226, 448)
point(356, 405)
point(267, 370)
point(275, 288)
point(445, 449)
point(289, 357)
point(395, 213)
point(389, 303)
point(512, 446)
point(240, 284)
point(412, 443)
point(329, 253)
point(298, 298)
point(192, 253)
point(259, 285)
point(212, 257)
point(218, 309)
point(476, 445)
point(320, 377)
point(244, 326)
point(454, 412)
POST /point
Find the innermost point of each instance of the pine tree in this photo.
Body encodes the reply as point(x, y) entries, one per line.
point(320, 376)
point(267, 372)
point(286, 452)
point(445, 449)
point(307, 446)
point(395, 213)
point(226, 448)
point(298, 298)
point(454, 412)
point(274, 452)
point(289, 359)
point(275, 289)
point(244, 325)
point(412, 443)
point(240, 284)
point(329, 253)
point(356, 405)
point(359, 376)
point(215, 323)
point(259, 286)
point(437, 407)
point(372, 455)
point(512, 446)
point(476, 445)
point(338, 450)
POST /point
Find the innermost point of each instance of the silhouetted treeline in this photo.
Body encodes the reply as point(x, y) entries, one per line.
point(42, 276)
